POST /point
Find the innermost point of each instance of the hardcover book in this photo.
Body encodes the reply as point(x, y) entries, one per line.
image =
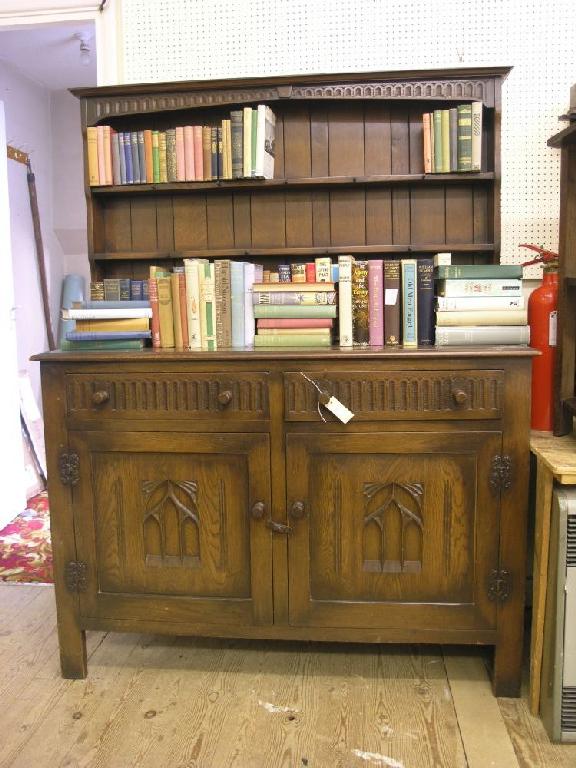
point(171, 169)
point(269, 143)
point(323, 269)
point(189, 153)
point(165, 312)
point(106, 335)
point(483, 317)
point(162, 167)
point(237, 302)
point(426, 141)
point(223, 304)
point(111, 289)
point(466, 271)
point(445, 118)
point(207, 305)
point(292, 340)
point(122, 157)
point(115, 158)
point(155, 157)
point(293, 297)
point(295, 322)
point(438, 144)
point(392, 301)
point(464, 137)
point(294, 286)
point(197, 138)
point(135, 157)
point(236, 120)
point(345, 300)
point(273, 310)
point(176, 310)
point(128, 157)
point(249, 274)
point(247, 141)
point(376, 301)
point(360, 323)
point(207, 152)
point(479, 287)
point(148, 156)
point(409, 280)
point(425, 300)
point(92, 148)
point(486, 334)
point(180, 156)
point(476, 163)
point(478, 303)
point(193, 303)
point(141, 157)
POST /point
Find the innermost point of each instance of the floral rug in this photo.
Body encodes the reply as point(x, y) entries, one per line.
point(25, 551)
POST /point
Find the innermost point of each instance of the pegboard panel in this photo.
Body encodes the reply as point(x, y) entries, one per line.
point(206, 39)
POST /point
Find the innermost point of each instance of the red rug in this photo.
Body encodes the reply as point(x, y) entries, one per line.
point(25, 550)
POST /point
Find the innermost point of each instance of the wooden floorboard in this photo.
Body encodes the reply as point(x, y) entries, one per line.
point(206, 703)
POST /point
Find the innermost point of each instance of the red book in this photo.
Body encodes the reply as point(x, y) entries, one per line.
point(376, 302)
point(189, 153)
point(427, 143)
point(101, 162)
point(198, 158)
point(183, 310)
point(311, 272)
point(155, 321)
point(295, 322)
point(180, 163)
point(148, 156)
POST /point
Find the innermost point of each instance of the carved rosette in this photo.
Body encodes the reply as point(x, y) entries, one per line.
point(69, 467)
point(500, 477)
point(499, 586)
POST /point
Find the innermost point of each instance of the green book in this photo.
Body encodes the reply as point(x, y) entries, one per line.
point(104, 344)
point(471, 271)
point(445, 130)
point(464, 137)
point(298, 310)
point(437, 160)
point(155, 157)
point(292, 340)
point(254, 139)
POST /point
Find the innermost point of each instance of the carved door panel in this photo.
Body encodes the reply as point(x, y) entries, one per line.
point(164, 523)
point(392, 530)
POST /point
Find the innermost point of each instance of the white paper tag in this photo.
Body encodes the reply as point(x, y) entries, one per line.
point(390, 296)
point(339, 410)
point(552, 328)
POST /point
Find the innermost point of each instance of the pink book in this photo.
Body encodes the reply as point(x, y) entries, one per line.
point(189, 152)
point(295, 322)
point(180, 163)
point(198, 161)
point(101, 161)
point(376, 302)
point(107, 154)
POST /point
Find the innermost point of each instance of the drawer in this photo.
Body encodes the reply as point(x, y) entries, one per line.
point(176, 396)
point(383, 396)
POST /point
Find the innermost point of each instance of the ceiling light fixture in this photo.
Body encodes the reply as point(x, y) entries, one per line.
point(84, 49)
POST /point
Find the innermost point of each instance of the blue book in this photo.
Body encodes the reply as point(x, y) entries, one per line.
point(122, 153)
point(335, 273)
point(409, 283)
point(101, 335)
point(128, 158)
point(135, 157)
point(141, 157)
point(114, 305)
point(115, 158)
point(136, 290)
point(237, 302)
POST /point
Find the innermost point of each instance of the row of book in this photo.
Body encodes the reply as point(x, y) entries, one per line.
point(453, 139)
point(241, 146)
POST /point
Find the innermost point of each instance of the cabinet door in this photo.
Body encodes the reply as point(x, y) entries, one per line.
point(164, 523)
point(394, 530)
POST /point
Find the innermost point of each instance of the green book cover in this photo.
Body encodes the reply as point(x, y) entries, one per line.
point(155, 157)
point(292, 340)
point(464, 137)
point(464, 271)
point(445, 140)
point(302, 310)
point(104, 344)
point(438, 162)
point(254, 139)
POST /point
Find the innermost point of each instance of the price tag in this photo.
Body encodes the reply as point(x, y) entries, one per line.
point(339, 410)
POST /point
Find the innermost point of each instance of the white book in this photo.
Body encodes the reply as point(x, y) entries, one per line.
point(442, 259)
point(237, 302)
point(480, 287)
point(487, 334)
point(345, 300)
point(193, 303)
point(207, 304)
point(258, 169)
point(269, 143)
point(476, 136)
point(482, 317)
point(248, 304)
point(478, 303)
point(247, 140)
point(105, 314)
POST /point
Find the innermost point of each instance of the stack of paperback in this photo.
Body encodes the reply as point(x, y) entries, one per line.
point(108, 325)
point(241, 146)
point(453, 139)
point(299, 309)
point(480, 304)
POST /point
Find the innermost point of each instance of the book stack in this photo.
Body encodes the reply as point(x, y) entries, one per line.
point(480, 304)
point(240, 146)
point(453, 139)
point(108, 325)
point(298, 309)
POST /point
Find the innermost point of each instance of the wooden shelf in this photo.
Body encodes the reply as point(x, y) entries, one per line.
point(314, 181)
point(293, 252)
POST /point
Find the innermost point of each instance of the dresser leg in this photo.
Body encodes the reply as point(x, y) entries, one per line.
point(73, 662)
point(507, 670)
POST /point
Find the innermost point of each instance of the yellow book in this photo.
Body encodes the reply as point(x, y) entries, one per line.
point(92, 147)
point(165, 313)
point(123, 324)
point(175, 282)
point(163, 168)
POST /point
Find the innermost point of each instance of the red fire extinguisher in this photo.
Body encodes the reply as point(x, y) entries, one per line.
point(542, 318)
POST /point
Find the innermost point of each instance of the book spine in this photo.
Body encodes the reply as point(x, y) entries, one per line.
point(113, 324)
point(115, 157)
point(193, 303)
point(125, 289)
point(227, 128)
point(198, 154)
point(247, 141)
point(142, 157)
point(294, 331)
point(171, 171)
point(248, 304)
point(269, 143)
point(408, 268)
point(219, 152)
point(135, 157)
point(483, 317)
point(345, 300)
point(106, 314)
point(298, 287)
point(392, 301)
point(97, 294)
point(323, 269)
point(92, 155)
point(223, 304)
point(298, 273)
point(438, 161)
point(103, 344)
point(189, 153)
point(128, 157)
point(148, 163)
point(478, 303)
point(291, 298)
point(432, 143)
point(237, 302)
point(453, 130)
point(214, 152)
point(236, 121)
point(111, 289)
point(464, 137)
point(156, 157)
point(176, 315)
point(445, 117)
point(207, 152)
point(107, 155)
point(260, 138)
point(100, 152)
point(207, 306)
point(376, 302)
point(476, 162)
point(310, 273)
point(292, 340)
point(254, 126)
point(122, 157)
point(426, 142)
point(499, 334)
point(425, 300)
point(480, 287)
point(106, 335)
point(295, 322)
point(162, 167)
point(267, 310)
point(360, 324)
point(100, 304)
point(470, 271)
point(180, 157)
point(165, 312)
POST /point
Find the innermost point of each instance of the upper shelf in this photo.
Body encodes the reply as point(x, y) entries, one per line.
point(315, 181)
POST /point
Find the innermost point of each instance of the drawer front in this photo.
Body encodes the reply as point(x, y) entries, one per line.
point(383, 396)
point(230, 397)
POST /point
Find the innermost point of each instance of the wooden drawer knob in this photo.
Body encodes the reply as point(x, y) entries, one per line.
point(225, 397)
point(297, 510)
point(100, 397)
point(258, 509)
point(460, 396)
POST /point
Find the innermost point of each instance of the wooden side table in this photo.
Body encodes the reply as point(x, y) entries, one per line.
point(555, 463)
